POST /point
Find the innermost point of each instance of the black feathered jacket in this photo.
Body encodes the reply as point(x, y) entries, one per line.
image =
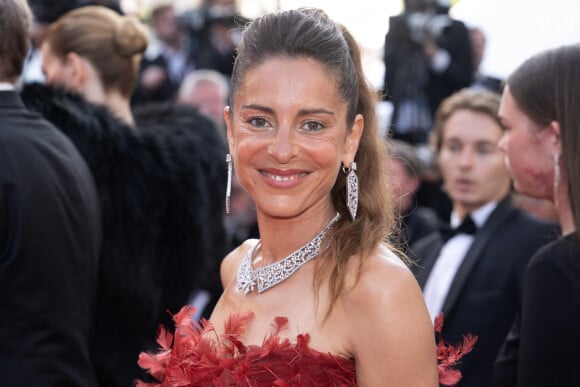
point(161, 187)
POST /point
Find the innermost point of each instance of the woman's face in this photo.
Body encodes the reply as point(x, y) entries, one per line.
point(529, 150)
point(288, 137)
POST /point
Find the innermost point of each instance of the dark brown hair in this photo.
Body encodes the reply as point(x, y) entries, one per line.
point(310, 33)
point(15, 22)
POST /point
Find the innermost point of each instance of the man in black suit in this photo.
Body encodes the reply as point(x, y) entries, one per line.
point(427, 57)
point(472, 273)
point(49, 235)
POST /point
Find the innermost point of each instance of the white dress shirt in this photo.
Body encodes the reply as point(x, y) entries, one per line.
point(449, 260)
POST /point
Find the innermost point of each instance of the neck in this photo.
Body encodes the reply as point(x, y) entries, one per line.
point(280, 237)
point(121, 108)
point(117, 104)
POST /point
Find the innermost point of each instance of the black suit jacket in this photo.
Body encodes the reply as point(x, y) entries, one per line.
point(484, 295)
point(49, 246)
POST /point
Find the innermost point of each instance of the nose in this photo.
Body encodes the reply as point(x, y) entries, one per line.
point(465, 159)
point(283, 146)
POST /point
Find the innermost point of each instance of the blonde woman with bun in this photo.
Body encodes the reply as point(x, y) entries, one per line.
point(156, 178)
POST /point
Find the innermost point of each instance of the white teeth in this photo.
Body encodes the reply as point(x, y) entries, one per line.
point(284, 178)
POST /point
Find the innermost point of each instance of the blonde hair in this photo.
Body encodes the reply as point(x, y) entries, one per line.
point(480, 101)
point(114, 44)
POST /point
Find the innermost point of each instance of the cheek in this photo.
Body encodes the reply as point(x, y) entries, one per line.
point(445, 163)
point(531, 171)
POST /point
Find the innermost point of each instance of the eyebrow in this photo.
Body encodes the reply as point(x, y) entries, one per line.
point(301, 112)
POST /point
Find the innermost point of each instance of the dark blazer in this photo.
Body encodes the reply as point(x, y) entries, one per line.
point(484, 295)
point(49, 248)
point(162, 186)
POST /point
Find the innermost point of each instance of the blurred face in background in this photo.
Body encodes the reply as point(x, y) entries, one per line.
point(471, 162)
point(209, 99)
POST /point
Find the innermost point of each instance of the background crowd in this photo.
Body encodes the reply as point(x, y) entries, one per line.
point(132, 113)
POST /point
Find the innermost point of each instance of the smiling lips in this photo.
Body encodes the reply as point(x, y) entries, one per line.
point(283, 178)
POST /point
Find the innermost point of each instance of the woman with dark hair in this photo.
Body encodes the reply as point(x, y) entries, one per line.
point(539, 109)
point(320, 299)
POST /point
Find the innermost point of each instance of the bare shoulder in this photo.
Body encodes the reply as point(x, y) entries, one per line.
point(231, 263)
point(384, 276)
point(386, 322)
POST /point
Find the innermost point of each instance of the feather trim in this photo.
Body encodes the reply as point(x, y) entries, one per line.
point(197, 356)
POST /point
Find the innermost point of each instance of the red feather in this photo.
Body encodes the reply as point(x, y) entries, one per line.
point(197, 356)
point(448, 356)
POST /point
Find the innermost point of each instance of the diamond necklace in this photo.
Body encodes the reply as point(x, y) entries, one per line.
point(270, 275)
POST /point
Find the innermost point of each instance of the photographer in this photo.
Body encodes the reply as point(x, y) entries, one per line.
point(215, 30)
point(427, 57)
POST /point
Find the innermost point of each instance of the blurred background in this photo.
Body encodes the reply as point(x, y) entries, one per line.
point(515, 29)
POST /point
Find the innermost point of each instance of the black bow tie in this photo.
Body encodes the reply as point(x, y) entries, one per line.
point(466, 227)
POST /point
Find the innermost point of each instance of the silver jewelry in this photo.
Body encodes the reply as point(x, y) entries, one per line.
point(351, 189)
point(229, 182)
point(270, 275)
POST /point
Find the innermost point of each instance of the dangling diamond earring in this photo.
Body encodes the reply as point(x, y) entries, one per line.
point(351, 189)
point(556, 177)
point(229, 183)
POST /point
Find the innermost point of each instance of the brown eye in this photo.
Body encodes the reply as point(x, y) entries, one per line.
point(312, 126)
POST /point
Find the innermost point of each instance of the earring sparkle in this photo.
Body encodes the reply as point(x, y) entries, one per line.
point(229, 182)
point(351, 189)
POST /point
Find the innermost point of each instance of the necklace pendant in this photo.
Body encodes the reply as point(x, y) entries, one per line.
point(246, 287)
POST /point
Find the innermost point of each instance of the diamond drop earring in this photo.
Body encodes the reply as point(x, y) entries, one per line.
point(229, 182)
point(351, 189)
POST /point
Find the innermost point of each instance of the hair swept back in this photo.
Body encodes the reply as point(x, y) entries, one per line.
point(310, 33)
point(114, 44)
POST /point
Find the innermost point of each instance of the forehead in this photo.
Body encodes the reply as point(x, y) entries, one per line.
point(293, 77)
point(471, 126)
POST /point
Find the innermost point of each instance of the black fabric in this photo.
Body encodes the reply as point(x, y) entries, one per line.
point(542, 347)
point(467, 226)
point(160, 187)
point(484, 295)
point(50, 234)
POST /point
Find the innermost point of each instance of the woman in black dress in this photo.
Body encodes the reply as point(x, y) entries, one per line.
point(539, 109)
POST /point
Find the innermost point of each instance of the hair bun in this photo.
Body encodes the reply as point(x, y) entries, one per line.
point(131, 37)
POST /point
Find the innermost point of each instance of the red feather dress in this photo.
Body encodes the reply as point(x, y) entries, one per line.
point(195, 356)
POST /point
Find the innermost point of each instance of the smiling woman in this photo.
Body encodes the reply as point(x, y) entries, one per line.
point(288, 137)
point(342, 301)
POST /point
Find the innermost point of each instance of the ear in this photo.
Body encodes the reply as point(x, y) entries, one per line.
point(554, 129)
point(352, 140)
point(78, 71)
point(229, 129)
